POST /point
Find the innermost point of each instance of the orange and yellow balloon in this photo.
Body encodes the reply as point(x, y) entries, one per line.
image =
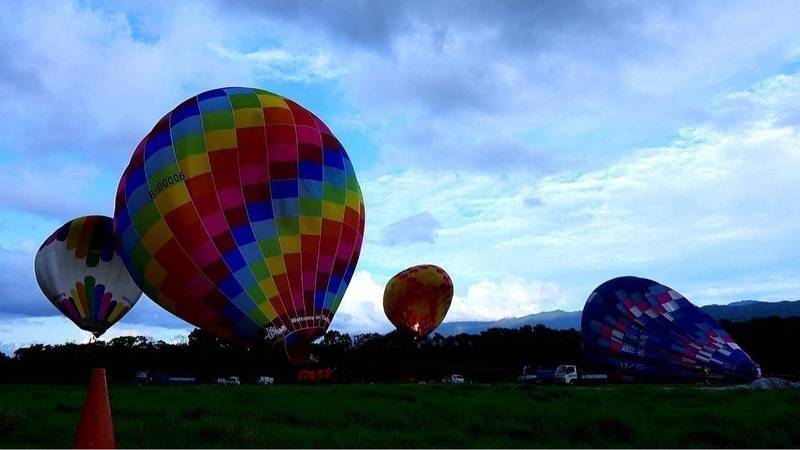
point(417, 299)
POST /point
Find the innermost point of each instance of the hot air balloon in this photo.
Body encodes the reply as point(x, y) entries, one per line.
point(81, 274)
point(417, 299)
point(240, 213)
point(644, 330)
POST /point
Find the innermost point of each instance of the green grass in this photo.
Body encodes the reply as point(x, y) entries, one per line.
point(409, 416)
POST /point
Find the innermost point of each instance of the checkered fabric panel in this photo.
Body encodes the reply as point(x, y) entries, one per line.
point(417, 299)
point(240, 212)
point(639, 326)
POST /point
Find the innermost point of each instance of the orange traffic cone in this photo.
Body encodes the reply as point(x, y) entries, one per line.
point(95, 429)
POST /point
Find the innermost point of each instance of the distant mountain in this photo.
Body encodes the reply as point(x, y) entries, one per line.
point(751, 309)
point(741, 303)
point(557, 320)
point(563, 320)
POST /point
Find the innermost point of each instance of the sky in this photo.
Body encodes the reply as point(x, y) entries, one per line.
point(532, 149)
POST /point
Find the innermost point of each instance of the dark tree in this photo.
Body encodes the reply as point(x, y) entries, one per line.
point(494, 355)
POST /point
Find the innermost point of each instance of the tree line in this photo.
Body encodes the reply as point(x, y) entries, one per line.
point(494, 355)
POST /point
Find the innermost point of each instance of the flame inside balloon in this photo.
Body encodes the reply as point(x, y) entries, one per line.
point(417, 299)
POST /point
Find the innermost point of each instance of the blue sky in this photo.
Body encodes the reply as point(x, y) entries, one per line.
point(532, 149)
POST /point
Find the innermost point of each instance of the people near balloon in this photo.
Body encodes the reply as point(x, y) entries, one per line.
point(416, 300)
point(80, 272)
point(240, 212)
point(643, 330)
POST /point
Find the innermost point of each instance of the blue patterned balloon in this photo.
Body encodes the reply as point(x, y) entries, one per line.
point(641, 328)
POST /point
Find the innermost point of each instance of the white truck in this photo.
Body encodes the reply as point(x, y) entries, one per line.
point(453, 379)
point(142, 378)
point(228, 380)
point(563, 374)
point(265, 380)
point(566, 374)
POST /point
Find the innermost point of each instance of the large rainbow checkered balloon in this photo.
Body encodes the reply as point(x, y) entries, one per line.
point(81, 274)
point(240, 212)
point(641, 329)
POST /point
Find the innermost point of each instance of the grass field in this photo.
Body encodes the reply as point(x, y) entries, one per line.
point(409, 416)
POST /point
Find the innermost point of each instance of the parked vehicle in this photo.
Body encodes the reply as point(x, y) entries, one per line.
point(228, 380)
point(265, 380)
point(161, 378)
point(537, 375)
point(141, 378)
point(182, 380)
point(588, 378)
point(453, 379)
point(566, 374)
point(563, 374)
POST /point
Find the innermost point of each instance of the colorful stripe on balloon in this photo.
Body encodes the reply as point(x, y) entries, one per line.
point(241, 213)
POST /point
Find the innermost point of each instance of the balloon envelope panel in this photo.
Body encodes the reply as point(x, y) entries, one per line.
point(240, 212)
point(417, 299)
point(643, 328)
point(79, 271)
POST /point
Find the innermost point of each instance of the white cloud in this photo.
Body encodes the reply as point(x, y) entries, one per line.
point(716, 203)
point(18, 288)
point(80, 79)
point(765, 286)
point(27, 246)
point(54, 188)
point(172, 335)
point(285, 64)
point(361, 309)
point(720, 189)
point(709, 43)
point(534, 135)
point(498, 88)
point(21, 331)
point(489, 300)
point(147, 313)
point(417, 228)
point(773, 102)
point(18, 332)
point(82, 85)
point(779, 91)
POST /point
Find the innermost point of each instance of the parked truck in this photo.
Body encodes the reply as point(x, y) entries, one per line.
point(453, 379)
point(142, 378)
point(563, 374)
point(229, 380)
point(265, 380)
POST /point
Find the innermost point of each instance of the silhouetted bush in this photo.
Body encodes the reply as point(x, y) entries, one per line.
point(495, 355)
